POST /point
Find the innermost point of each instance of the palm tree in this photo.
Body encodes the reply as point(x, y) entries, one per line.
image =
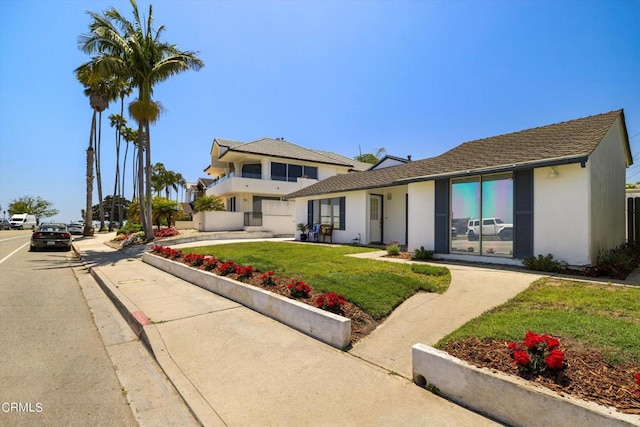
point(134, 50)
point(97, 91)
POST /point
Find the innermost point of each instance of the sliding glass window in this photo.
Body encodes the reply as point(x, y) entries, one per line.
point(482, 215)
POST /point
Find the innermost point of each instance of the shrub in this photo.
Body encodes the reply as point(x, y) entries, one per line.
point(244, 273)
point(134, 239)
point(541, 263)
point(129, 228)
point(299, 289)
point(422, 254)
point(166, 232)
point(616, 263)
point(331, 302)
point(393, 249)
point(210, 263)
point(227, 268)
point(194, 260)
point(538, 355)
point(268, 279)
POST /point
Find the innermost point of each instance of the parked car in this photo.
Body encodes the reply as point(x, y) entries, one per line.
point(5, 224)
point(22, 221)
point(75, 228)
point(490, 227)
point(51, 235)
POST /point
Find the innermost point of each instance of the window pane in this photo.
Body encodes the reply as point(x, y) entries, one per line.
point(278, 171)
point(311, 172)
point(325, 211)
point(295, 172)
point(252, 171)
point(465, 212)
point(497, 215)
point(335, 211)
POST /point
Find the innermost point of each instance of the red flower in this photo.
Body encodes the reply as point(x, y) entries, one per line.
point(512, 346)
point(531, 339)
point(555, 359)
point(552, 343)
point(637, 377)
point(521, 357)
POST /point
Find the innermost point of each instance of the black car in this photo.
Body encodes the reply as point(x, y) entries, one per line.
point(51, 235)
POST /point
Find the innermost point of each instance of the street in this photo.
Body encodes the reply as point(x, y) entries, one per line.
point(54, 367)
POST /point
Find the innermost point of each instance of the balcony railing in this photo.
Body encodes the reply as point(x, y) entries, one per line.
point(253, 219)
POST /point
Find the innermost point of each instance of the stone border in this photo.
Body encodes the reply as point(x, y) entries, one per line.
point(327, 327)
point(508, 399)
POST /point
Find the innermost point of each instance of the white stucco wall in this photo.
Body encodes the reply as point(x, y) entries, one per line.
point(561, 213)
point(421, 215)
point(607, 167)
point(218, 221)
point(277, 217)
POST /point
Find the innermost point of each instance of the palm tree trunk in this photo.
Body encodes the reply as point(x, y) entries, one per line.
point(98, 175)
point(141, 203)
point(116, 181)
point(124, 176)
point(88, 221)
point(148, 231)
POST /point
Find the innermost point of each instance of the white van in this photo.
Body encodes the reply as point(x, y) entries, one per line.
point(22, 221)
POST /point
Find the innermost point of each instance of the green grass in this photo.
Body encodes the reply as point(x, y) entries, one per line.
point(375, 286)
point(602, 316)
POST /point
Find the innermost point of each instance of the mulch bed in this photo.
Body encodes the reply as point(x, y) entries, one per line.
point(588, 375)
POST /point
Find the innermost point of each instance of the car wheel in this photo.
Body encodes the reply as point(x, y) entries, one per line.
point(21, 228)
point(471, 236)
point(506, 234)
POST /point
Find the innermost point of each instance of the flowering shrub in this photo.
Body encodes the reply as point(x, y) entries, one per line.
point(166, 232)
point(171, 253)
point(268, 279)
point(299, 289)
point(210, 263)
point(194, 260)
point(227, 268)
point(157, 249)
point(331, 302)
point(637, 377)
point(133, 239)
point(244, 272)
point(539, 354)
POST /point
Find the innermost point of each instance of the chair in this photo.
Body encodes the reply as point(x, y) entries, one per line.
point(326, 230)
point(314, 232)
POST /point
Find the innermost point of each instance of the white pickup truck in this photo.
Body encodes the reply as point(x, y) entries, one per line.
point(490, 227)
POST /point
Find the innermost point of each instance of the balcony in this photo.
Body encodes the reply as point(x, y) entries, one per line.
point(232, 184)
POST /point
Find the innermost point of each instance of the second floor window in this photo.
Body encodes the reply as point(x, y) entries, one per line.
point(252, 171)
point(291, 173)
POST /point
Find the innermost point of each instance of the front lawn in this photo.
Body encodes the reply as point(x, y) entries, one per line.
point(376, 287)
point(598, 326)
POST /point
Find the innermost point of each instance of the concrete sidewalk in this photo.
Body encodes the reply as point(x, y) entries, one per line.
point(234, 366)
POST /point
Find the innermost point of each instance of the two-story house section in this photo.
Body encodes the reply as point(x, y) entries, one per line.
point(247, 173)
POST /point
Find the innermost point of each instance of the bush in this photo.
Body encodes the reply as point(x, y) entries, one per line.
point(299, 289)
point(166, 232)
point(330, 302)
point(616, 263)
point(422, 254)
point(393, 249)
point(129, 228)
point(541, 263)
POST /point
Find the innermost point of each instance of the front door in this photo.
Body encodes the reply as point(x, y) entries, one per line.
point(375, 218)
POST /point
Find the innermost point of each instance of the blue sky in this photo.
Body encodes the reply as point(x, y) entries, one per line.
point(413, 77)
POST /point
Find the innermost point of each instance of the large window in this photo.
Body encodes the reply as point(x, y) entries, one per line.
point(328, 211)
point(291, 173)
point(253, 170)
point(482, 215)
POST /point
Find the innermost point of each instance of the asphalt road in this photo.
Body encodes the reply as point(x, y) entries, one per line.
point(54, 368)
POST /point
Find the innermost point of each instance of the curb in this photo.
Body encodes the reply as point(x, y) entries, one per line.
point(148, 333)
point(480, 389)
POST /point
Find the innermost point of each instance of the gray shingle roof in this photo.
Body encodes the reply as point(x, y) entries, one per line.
point(563, 142)
point(285, 149)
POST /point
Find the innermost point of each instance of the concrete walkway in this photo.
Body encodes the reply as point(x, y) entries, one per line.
point(234, 366)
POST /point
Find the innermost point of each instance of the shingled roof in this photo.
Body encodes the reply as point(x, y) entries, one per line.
point(561, 143)
point(288, 150)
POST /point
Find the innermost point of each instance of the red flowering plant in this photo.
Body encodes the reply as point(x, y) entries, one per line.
point(331, 302)
point(166, 232)
point(227, 268)
point(538, 355)
point(157, 249)
point(268, 279)
point(194, 260)
point(637, 378)
point(210, 263)
point(299, 289)
point(245, 272)
point(171, 253)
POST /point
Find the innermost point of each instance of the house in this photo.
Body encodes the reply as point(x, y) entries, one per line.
point(253, 177)
point(555, 189)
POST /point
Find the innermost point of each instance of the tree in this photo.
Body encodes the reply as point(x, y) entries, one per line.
point(33, 206)
point(164, 209)
point(163, 179)
point(209, 203)
point(133, 50)
point(370, 157)
point(116, 215)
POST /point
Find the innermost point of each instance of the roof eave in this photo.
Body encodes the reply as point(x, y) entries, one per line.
point(582, 159)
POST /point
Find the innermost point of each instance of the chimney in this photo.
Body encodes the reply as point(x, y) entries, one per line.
point(409, 157)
